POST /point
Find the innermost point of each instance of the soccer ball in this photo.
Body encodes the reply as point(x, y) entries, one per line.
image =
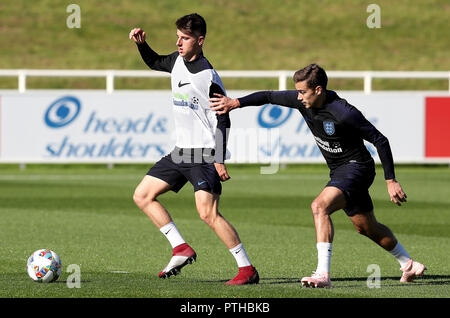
point(44, 266)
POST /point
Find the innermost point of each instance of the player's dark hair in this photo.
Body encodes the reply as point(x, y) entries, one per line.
point(314, 76)
point(192, 24)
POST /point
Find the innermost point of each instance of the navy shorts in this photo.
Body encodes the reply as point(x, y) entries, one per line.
point(354, 179)
point(203, 176)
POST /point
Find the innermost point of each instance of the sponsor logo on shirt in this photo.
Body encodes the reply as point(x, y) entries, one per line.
point(325, 145)
point(183, 100)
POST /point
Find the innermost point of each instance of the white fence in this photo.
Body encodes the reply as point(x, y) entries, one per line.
point(282, 75)
point(57, 126)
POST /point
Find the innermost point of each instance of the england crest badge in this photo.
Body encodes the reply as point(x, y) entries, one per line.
point(328, 126)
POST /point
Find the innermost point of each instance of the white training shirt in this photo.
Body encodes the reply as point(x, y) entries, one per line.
point(195, 123)
point(193, 83)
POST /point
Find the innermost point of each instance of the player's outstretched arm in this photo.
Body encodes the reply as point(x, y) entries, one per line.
point(138, 35)
point(223, 104)
point(395, 191)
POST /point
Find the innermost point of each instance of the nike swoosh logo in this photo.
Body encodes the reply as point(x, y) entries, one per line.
point(168, 231)
point(200, 182)
point(182, 84)
point(237, 252)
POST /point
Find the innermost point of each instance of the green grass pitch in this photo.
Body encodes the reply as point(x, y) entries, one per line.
point(86, 214)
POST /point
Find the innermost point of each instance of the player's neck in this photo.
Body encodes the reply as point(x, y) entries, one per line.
point(192, 57)
point(320, 101)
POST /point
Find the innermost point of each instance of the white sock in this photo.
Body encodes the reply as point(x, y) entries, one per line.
point(240, 255)
point(323, 256)
point(400, 254)
point(170, 231)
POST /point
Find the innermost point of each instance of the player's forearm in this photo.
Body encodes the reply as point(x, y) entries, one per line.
point(286, 98)
point(148, 55)
point(254, 99)
point(222, 129)
point(386, 158)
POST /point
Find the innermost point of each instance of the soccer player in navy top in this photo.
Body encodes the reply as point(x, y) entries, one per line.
point(339, 130)
point(200, 149)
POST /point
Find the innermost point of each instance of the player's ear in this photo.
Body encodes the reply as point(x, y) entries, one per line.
point(318, 90)
point(200, 40)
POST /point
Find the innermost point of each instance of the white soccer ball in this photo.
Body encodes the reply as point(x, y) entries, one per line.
point(44, 266)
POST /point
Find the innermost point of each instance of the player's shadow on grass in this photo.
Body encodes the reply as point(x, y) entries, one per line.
point(263, 280)
point(65, 281)
point(424, 280)
point(276, 281)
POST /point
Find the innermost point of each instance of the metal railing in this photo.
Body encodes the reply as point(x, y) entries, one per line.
point(282, 75)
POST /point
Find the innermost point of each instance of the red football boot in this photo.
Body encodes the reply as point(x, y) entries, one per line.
point(246, 275)
point(182, 255)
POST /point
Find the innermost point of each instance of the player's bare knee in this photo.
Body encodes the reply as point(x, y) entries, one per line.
point(360, 230)
point(142, 198)
point(138, 199)
point(363, 230)
point(318, 208)
point(208, 216)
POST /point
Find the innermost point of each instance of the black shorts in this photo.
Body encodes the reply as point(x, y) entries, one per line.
point(354, 179)
point(203, 176)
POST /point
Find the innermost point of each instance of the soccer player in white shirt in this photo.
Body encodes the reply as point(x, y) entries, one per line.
point(199, 152)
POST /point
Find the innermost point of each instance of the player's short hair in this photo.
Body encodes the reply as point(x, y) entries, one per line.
point(314, 76)
point(192, 24)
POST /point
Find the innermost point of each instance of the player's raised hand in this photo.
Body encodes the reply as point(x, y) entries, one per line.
point(138, 35)
point(223, 104)
point(396, 192)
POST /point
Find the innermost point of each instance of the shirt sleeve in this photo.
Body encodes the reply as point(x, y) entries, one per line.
point(222, 129)
point(155, 61)
point(368, 132)
point(283, 98)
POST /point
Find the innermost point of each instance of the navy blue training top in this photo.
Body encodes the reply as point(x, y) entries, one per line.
point(339, 128)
